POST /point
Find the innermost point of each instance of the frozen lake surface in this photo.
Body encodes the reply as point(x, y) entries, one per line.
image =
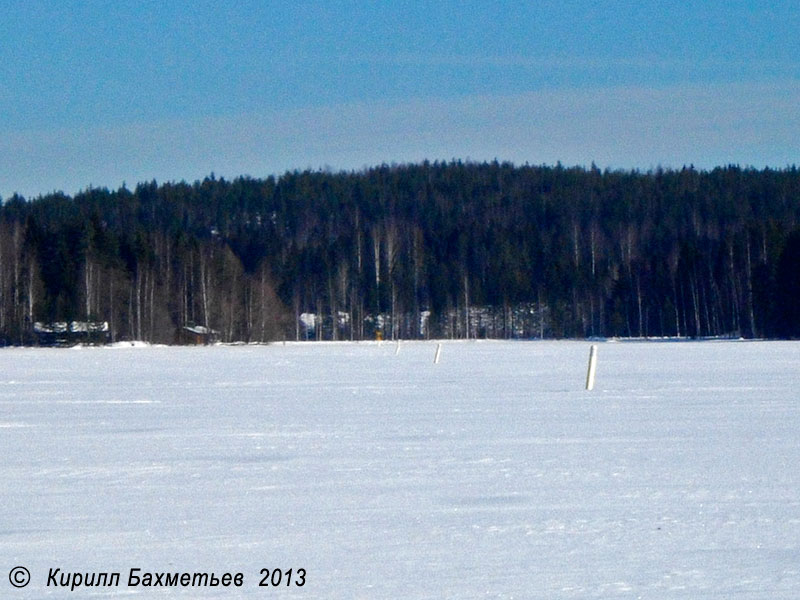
point(490, 475)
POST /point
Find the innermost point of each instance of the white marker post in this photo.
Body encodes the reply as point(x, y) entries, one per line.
point(592, 367)
point(438, 354)
point(397, 348)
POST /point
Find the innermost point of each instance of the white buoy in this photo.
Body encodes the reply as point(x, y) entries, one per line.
point(592, 367)
point(438, 354)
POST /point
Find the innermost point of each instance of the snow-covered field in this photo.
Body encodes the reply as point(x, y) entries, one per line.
point(490, 475)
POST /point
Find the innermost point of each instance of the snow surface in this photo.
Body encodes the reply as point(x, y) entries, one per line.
point(490, 475)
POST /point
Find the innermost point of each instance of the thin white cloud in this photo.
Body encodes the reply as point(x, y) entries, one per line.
point(618, 127)
point(563, 63)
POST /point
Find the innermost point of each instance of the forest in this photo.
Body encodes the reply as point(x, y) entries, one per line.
point(430, 250)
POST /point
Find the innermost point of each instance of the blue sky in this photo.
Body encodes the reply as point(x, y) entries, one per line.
point(99, 93)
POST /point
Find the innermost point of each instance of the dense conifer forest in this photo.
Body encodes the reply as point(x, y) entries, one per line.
point(424, 250)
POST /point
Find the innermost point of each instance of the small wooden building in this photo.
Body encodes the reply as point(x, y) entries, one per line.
point(197, 335)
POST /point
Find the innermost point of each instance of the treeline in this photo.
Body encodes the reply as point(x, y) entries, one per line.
point(427, 250)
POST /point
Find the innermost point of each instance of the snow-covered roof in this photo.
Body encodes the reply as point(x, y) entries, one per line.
point(200, 330)
point(88, 326)
point(72, 327)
